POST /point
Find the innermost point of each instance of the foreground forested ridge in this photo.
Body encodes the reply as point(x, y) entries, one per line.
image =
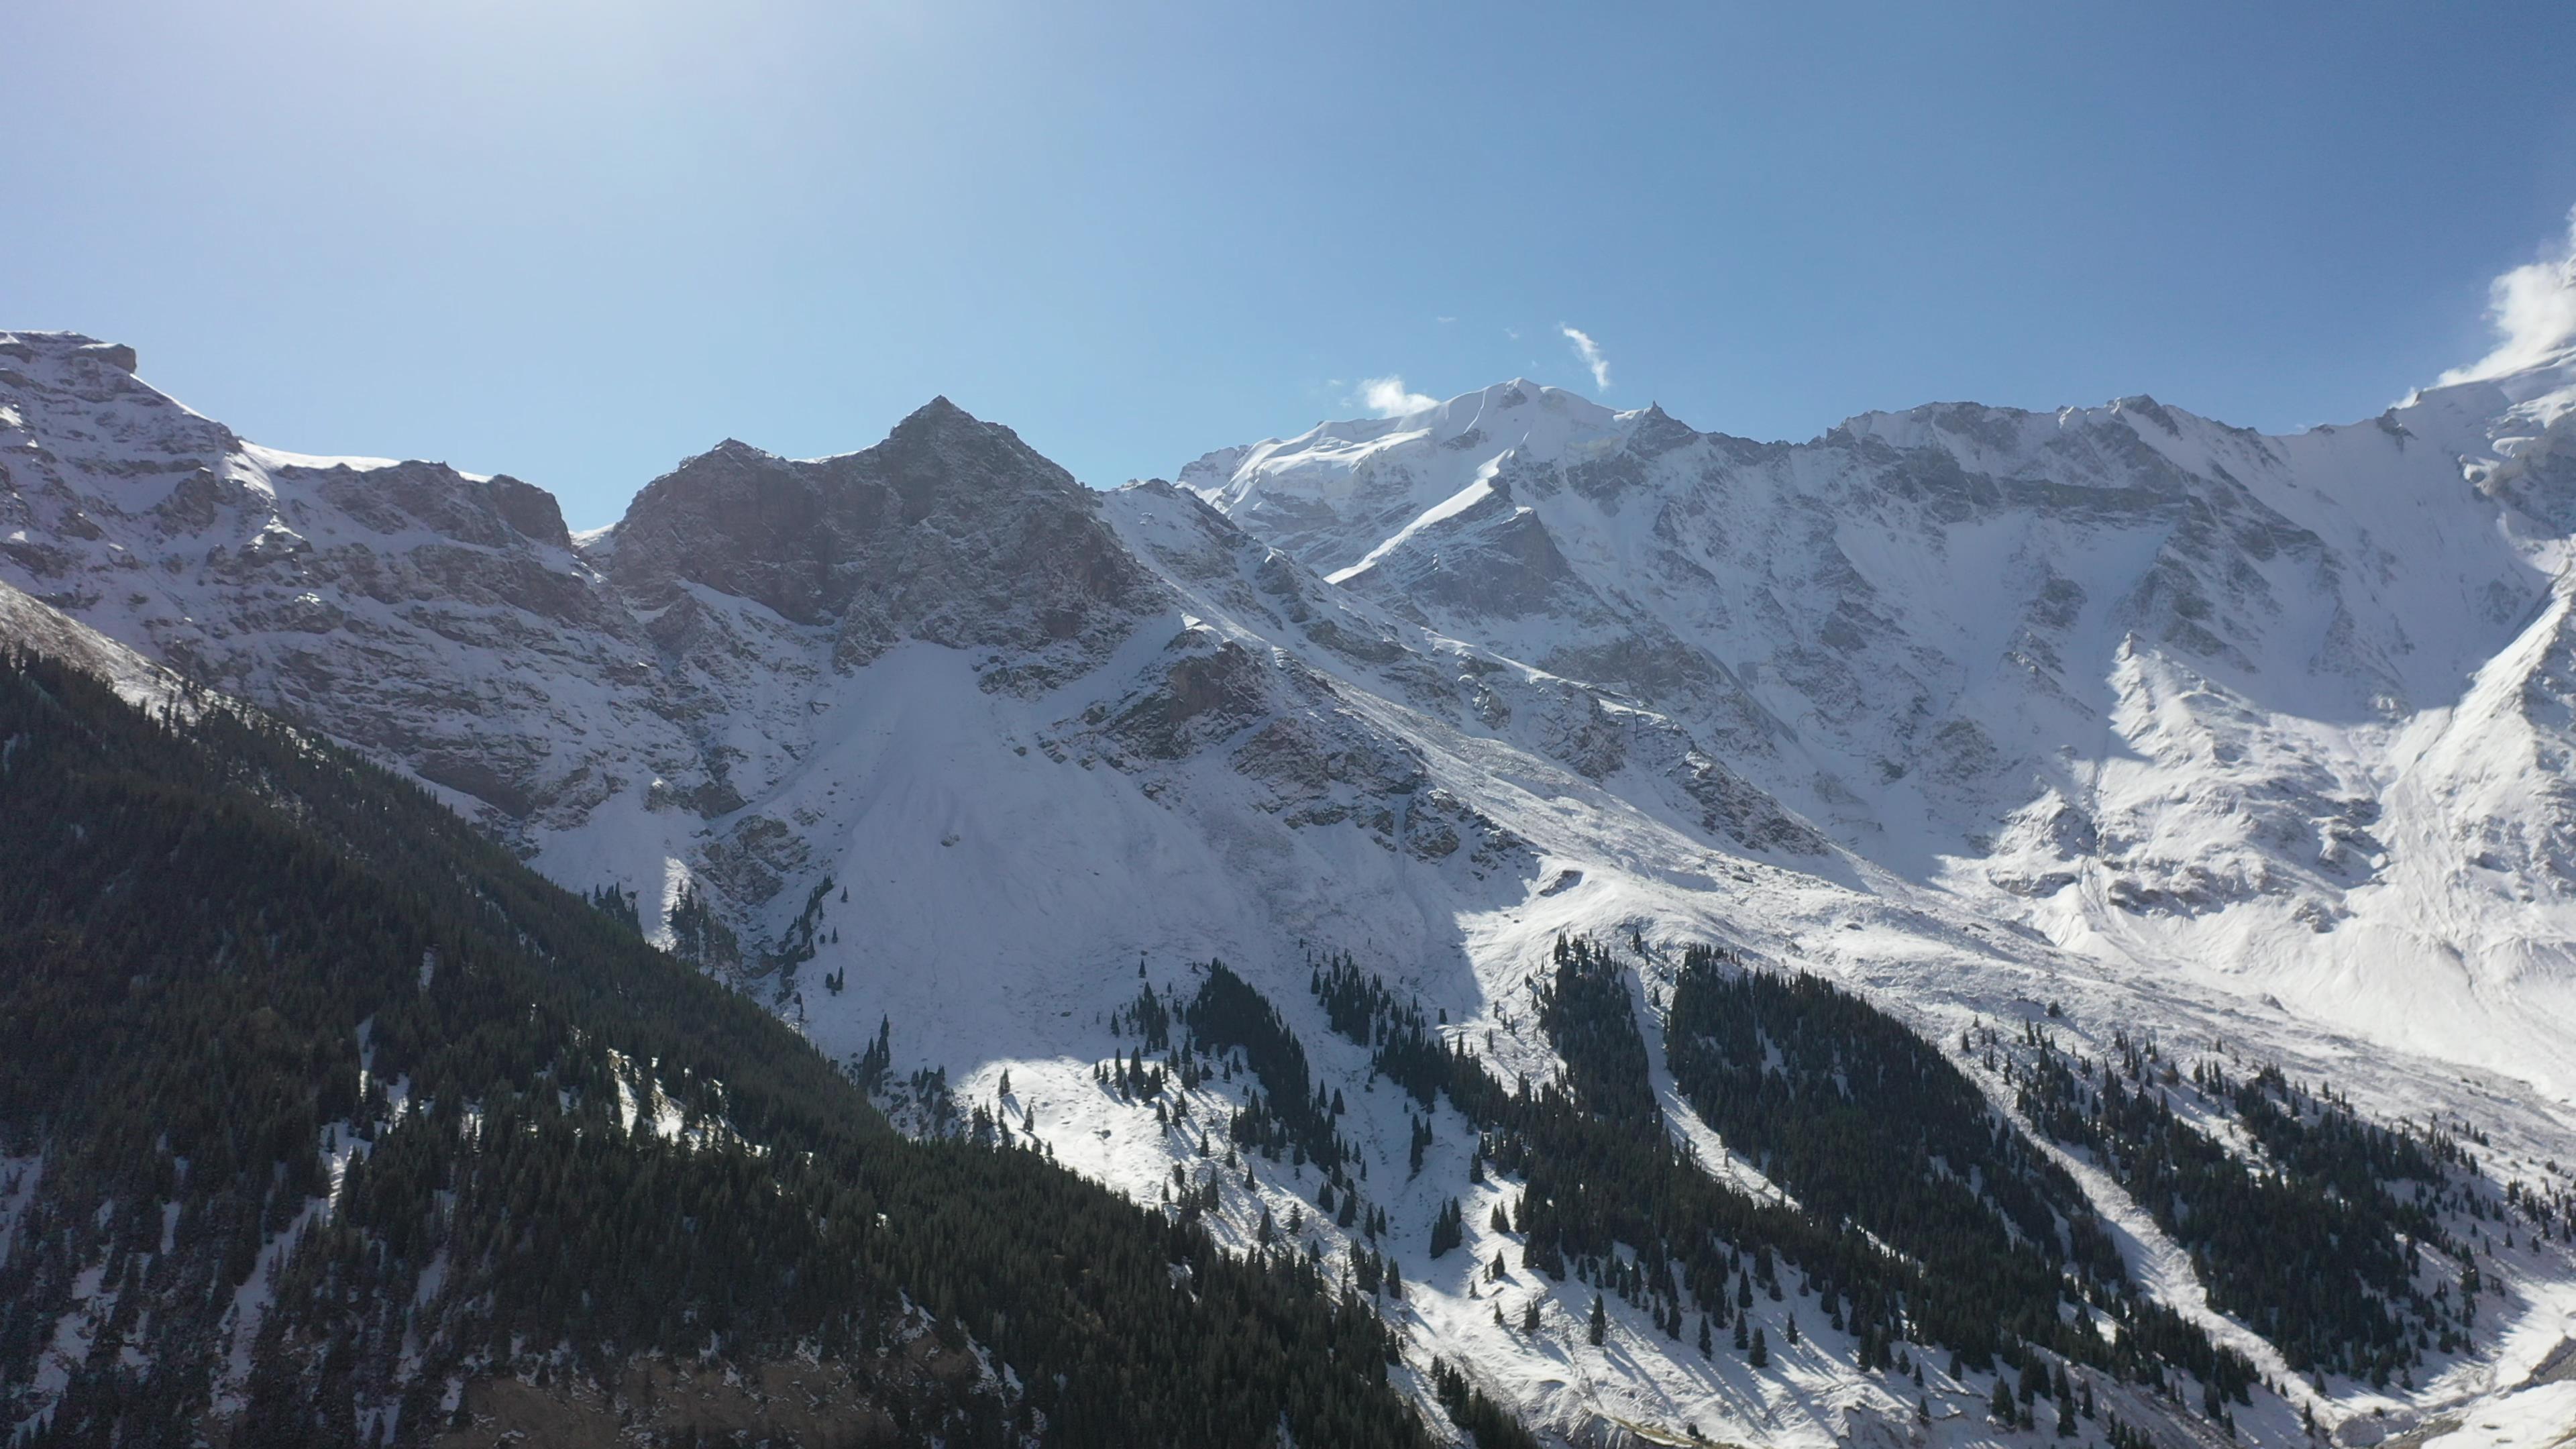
point(1874, 1130)
point(317, 1108)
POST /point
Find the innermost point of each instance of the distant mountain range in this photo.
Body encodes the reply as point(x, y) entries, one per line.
point(2038, 736)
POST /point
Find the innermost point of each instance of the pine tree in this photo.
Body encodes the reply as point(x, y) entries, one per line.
point(1448, 1228)
point(1600, 1325)
point(1761, 1355)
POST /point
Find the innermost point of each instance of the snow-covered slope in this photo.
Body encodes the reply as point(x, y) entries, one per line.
point(2177, 727)
point(2283, 711)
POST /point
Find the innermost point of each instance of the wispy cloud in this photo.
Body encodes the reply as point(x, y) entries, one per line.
point(1589, 352)
point(2533, 311)
point(1388, 397)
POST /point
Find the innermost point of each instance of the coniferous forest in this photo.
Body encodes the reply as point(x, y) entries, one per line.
point(349, 1111)
point(1228, 1013)
point(1865, 1124)
point(2331, 1245)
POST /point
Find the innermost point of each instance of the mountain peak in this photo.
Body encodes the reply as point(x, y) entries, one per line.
point(27, 346)
point(809, 537)
point(939, 412)
point(1517, 392)
point(940, 448)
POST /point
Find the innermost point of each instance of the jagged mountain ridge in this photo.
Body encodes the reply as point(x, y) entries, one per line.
point(658, 685)
point(1184, 742)
point(2153, 685)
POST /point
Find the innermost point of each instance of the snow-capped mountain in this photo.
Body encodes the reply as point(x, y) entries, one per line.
point(2115, 718)
point(2284, 710)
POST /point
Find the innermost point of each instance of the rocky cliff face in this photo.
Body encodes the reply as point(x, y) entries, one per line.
point(951, 531)
point(325, 587)
point(2150, 684)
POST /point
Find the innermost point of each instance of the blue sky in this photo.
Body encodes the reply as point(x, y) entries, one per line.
point(578, 241)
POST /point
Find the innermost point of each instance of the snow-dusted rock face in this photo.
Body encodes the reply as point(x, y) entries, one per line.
point(2172, 726)
point(703, 696)
point(2161, 688)
point(431, 616)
